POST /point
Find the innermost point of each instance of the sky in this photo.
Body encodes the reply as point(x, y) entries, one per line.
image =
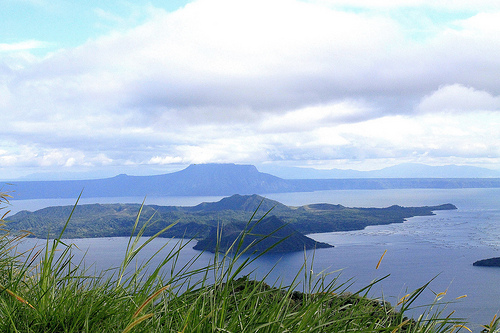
point(99, 88)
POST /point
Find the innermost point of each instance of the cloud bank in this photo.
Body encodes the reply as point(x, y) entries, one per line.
point(299, 83)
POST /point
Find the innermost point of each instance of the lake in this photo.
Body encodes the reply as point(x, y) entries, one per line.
point(440, 248)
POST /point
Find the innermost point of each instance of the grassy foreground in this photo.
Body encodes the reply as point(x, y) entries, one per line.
point(44, 290)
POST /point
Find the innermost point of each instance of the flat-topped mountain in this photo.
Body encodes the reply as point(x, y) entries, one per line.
point(195, 180)
point(200, 221)
point(222, 180)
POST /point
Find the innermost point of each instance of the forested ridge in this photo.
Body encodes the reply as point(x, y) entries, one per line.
point(113, 220)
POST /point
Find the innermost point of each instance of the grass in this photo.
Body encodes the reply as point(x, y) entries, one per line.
point(44, 290)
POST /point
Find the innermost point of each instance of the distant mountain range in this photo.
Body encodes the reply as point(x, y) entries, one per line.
point(222, 180)
point(405, 170)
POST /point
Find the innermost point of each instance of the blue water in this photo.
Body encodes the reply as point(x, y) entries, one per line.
point(440, 248)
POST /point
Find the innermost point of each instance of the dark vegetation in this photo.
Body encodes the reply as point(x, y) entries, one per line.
point(270, 233)
point(491, 262)
point(226, 218)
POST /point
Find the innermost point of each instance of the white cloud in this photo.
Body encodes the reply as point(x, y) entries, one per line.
point(22, 46)
point(458, 98)
point(264, 55)
point(313, 117)
point(4, 96)
point(249, 81)
point(466, 135)
point(165, 160)
point(481, 24)
point(211, 59)
point(453, 5)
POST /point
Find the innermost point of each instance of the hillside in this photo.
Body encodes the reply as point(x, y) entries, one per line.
point(247, 203)
point(113, 220)
point(270, 233)
point(56, 292)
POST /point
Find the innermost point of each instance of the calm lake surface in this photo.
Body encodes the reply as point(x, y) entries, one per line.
point(440, 248)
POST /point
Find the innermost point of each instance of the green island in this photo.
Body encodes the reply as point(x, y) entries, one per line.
point(44, 290)
point(203, 222)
